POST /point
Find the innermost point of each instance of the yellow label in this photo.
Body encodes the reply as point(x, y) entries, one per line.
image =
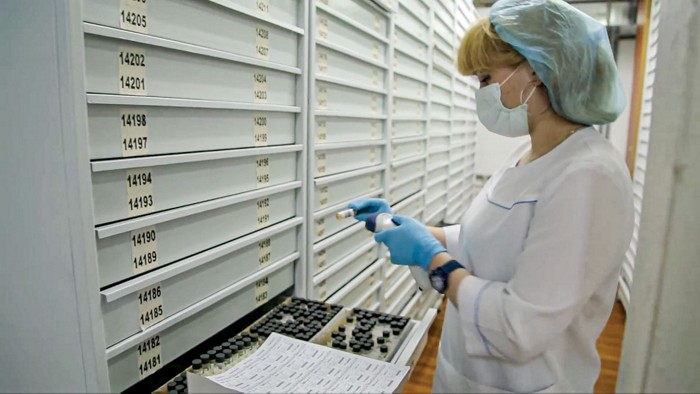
point(139, 191)
point(323, 196)
point(134, 131)
point(144, 254)
point(322, 290)
point(259, 87)
point(262, 42)
point(320, 164)
point(377, 24)
point(260, 137)
point(375, 51)
point(262, 291)
point(133, 15)
point(132, 70)
point(263, 6)
point(375, 78)
point(262, 171)
point(320, 227)
point(263, 208)
point(374, 129)
point(321, 134)
point(322, 97)
point(322, 61)
point(149, 356)
point(264, 252)
point(323, 27)
point(321, 259)
point(150, 306)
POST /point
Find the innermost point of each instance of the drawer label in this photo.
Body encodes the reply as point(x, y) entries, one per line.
point(320, 164)
point(259, 87)
point(374, 103)
point(368, 302)
point(393, 130)
point(132, 15)
point(323, 196)
point(264, 252)
point(262, 171)
point(322, 61)
point(134, 132)
point(321, 133)
point(322, 290)
point(377, 24)
point(262, 291)
point(375, 51)
point(323, 27)
point(262, 42)
point(139, 191)
point(132, 71)
point(374, 129)
point(263, 6)
point(320, 227)
point(321, 259)
point(149, 356)
point(371, 279)
point(375, 78)
point(150, 306)
point(372, 154)
point(263, 206)
point(260, 130)
point(373, 181)
point(322, 97)
point(143, 249)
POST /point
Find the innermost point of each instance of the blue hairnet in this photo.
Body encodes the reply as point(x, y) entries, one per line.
point(569, 51)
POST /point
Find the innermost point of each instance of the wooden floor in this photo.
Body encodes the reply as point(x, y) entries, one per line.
point(609, 347)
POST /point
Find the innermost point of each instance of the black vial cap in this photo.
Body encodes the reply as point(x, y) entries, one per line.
point(220, 357)
point(341, 328)
point(380, 340)
point(247, 341)
point(212, 354)
point(356, 348)
point(225, 345)
point(179, 388)
point(171, 385)
point(350, 319)
point(384, 348)
point(205, 358)
point(254, 337)
point(196, 364)
point(234, 349)
point(173, 391)
point(228, 353)
point(396, 331)
point(386, 333)
point(367, 345)
point(240, 344)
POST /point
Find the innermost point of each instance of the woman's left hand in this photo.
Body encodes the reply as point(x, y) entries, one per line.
point(410, 243)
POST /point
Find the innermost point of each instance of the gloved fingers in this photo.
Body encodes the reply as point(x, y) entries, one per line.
point(386, 235)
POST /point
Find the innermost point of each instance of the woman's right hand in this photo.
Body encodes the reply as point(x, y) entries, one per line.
point(368, 206)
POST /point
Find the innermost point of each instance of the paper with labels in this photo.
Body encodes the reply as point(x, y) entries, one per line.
point(284, 364)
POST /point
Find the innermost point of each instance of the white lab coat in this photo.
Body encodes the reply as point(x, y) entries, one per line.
point(545, 244)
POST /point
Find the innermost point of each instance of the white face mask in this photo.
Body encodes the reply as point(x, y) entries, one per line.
point(508, 122)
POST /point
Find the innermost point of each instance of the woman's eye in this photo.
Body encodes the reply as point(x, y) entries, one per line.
point(485, 79)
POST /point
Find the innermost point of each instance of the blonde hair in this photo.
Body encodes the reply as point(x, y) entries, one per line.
point(482, 49)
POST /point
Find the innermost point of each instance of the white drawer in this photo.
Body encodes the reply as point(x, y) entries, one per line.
point(339, 98)
point(331, 280)
point(334, 189)
point(440, 95)
point(179, 74)
point(408, 43)
point(408, 128)
point(332, 249)
point(361, 13)
point(126, 188)
point(404, 188)
point(409, 147)
point(409, 87)
point(408, 108)
point(189, 230)
point(336, 158)
point(418, 7)
point(437, 159)
point(340, 129)
point(440, 111)
point(333, 30)
point(181, 285)
point(441, 79)
point(443, 22)
point(439, 143)
point(210, 25)
point(411, 205)
point(407, 169)
point(131, 130)
point(411, 23)
point(334, 64)
point(439, 127)
point(397, 297)
point(443, 57)
point(362, 291)
point(409, 66)
point(438, 173)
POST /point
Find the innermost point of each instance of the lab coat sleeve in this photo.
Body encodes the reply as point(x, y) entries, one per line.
point(577, 238)
point(452, 239)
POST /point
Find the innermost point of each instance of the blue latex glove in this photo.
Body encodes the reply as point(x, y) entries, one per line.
point(410, 243)
point(367, 206)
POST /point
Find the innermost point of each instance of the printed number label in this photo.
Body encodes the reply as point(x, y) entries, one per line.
point(322, 61)
point(143, 249)
point(375, 77)
point(374, 103)
point(374, 129)
point(262, 291)
point(133, 15)
point(372, 155)
point(373, 181)
point(262, 171)
point(260, 130)
point(263, 206)
point(264, 252)
point(263, 6)
point(377, 23)
point(149, 356)
point(375, 51)
point(260, 87)
point(262, 42)
point(321, 131)
point(132, 70)
point(320, 164)
point(134, 132)
point(321, 259)
point(322, 97)
point(323, 27)
point(150, 306)
point(320, 227)
point(322, 290)
point(139, 191)
point(323, 196)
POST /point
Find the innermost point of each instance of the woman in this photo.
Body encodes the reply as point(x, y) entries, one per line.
point(531, 273)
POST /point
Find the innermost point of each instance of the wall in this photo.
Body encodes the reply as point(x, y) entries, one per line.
point(625, 66)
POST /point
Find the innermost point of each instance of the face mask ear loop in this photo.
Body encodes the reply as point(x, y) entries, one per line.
point(511, 74)
point(528, 96)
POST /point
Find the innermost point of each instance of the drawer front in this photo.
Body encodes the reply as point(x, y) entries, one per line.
point(347, 68)
point(338, 129)
point(394, 302)
point(332, 97)
point(439, 172)
point(441, 79)
point(336, 281)
point(120, 194)
point(408, 128)
point(407, 42)
point(177, 74)
point(210, 25)
point(440, 95)
point(334, 161)
point(437, 159)
point(394, 274)
point(419, 7)
point(124, 131)
point(443, 60)
point(123, 317)
point(408, 170)
point(120, 257)
point(439, 111)
point(334, 30)
point(344, 246)
point(185, 335)
point(410, 87)
point(410, 23)
point(442, 25)
point(439, 143)
point(362, 13)
point(410, 66)
point(411, 206)
point(325, 226)
point(346, 189)
point(359, 294)
point(403, 150)
point(403, 190)
point(409, 108)
point(439, 128)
